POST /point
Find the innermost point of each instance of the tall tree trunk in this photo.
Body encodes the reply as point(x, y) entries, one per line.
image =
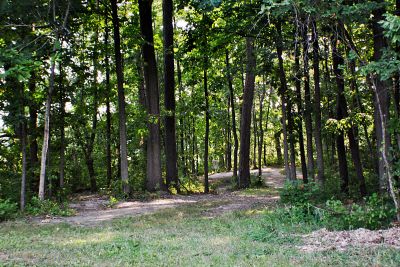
point(290, 130)
point(234, 131)
point(194, 144)
point(108, 92)
point(261, 134)
point(46, 134)
point(181, 123)
point(278, 148)
point(308, 106)
point(337, 60)
point(255, 134)
point(154, 178)
point(32, 131)
point(24, 164)
point(381, 101)
point(300, 110)
point(245, 120)
point(23, 137)
point(283, 93)
point(228, 138)
point(169, 94)
point(62, 130)
point(123, 151)
point(207, 118)
point(317, 105)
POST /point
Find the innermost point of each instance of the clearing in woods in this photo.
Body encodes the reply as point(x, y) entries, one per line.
point(239, 228)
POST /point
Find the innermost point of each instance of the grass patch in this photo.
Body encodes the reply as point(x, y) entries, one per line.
point(182, 236)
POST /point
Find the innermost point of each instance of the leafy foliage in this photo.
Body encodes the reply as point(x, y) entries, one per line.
point(8, 209)
point(48, 207)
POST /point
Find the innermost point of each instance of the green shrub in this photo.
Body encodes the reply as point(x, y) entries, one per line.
point(298, 193)
point(47, 207)
point(375, 213)
point(8, 209)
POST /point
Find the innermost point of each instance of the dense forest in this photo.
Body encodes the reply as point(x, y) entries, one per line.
point(123, 97)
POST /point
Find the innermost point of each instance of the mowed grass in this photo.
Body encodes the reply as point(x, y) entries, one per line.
point(183, 236)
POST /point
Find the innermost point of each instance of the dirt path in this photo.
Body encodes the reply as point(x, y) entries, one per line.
point(93, 209)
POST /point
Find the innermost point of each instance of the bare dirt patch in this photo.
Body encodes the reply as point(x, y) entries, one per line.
point(323, 240)
point(94, 209)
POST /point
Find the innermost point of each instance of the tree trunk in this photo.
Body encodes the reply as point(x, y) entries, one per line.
point(154, 178)
point(317, 105)
point(337, 60)
point(207, 118)
point(278, 148)
point(261, 135)
point(23, 135)
point(228, 138)
point(108, 92)
point(234, 131)
point(283, 93)
point(300, 110)
point(290, 130)
point(181, 124)
point(245, 120)
point(308, 107)
point(169, 94)
point(381, 101)
point(62, 130)
point(255, 134)
point(32, 130)
point(46, 135)
point(121, 99)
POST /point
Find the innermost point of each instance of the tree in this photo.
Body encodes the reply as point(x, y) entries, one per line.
point(154, 178)
point(48, 101)
point(121, 99)
point(169, 94)
point(245, 119)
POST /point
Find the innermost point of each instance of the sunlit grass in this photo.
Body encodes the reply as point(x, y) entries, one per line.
point(181, 236)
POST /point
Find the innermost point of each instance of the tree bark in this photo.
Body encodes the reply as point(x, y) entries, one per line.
point(23, 138)
point(283, 93)
point(261, 134)
point(62, 130)
point(154, 178)
point(121, 99)
point(381, 101)
point(207, 118)
point(245, 120)
point(169, 94)
point(228, 138)
point(32, 131)
point(108, 92)
point(308, 106)
point(317, 105)
point(337, 60)
point(181, 123)
point(46, 134)
point(300, 110)
point(233, 116)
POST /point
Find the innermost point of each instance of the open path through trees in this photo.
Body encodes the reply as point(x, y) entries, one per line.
point(94, 209)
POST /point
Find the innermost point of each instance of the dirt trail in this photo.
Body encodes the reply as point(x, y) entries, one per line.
point(93, 209)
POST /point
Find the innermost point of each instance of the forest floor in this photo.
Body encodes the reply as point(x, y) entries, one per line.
point(227, 228)
point(93, 209)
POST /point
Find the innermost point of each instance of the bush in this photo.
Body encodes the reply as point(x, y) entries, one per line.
point(47, 207)
point(7, 209)
point(376, 213)
point(298, 193)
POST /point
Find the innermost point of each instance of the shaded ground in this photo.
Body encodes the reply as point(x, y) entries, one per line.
point(93, 209)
